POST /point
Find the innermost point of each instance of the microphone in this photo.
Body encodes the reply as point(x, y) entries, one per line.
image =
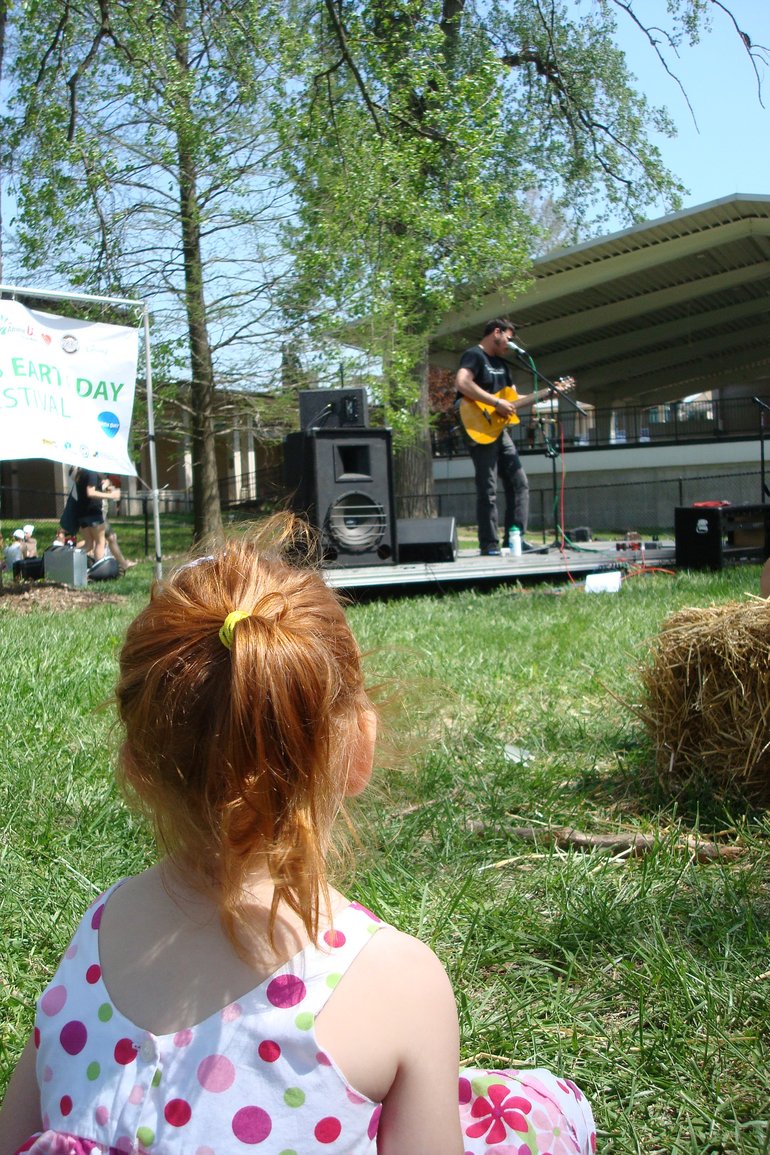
point(517, 348)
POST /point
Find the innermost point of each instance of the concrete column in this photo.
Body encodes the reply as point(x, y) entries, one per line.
point(237, 472)
point(251, 458)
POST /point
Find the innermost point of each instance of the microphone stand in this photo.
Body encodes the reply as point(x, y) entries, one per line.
point(538, 376)
point(764, 491)
point(549, 447)
point(551, 450)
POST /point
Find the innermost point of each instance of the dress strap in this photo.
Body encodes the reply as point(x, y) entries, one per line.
point(322, 967)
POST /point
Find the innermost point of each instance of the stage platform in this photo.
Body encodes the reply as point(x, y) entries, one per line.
point(471, 570)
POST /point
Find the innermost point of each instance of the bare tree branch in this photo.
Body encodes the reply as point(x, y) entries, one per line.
point(339, 31)
point(755, 51)
point(651, 33)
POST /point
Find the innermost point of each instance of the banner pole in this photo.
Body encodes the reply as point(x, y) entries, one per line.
point(64, 295)
point(151, 446)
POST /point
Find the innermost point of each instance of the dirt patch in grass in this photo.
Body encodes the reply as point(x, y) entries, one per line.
point(26, 597)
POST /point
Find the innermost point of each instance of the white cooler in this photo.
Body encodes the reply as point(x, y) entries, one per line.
point(66, 565)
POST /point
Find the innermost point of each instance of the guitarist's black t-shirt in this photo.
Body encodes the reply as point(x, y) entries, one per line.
point(491, 373)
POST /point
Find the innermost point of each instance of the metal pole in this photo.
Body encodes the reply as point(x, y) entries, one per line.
point(60, 295)
point(762, 457)
point(151, 437)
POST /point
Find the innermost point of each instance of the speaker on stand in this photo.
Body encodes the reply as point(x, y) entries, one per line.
point(333, 408)
point(342, 481)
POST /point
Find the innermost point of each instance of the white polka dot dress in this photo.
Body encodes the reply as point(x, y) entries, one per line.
point(251, 1077)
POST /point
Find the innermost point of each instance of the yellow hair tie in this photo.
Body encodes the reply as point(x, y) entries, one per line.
point(226, 632)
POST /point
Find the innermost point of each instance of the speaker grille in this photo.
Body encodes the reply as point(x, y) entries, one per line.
point(356, 523)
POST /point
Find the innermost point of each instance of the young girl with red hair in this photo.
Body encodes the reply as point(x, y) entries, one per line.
point(229, 999)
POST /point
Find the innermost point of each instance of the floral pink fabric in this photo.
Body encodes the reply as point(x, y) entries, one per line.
point(57, 1143)
point(524, 1113)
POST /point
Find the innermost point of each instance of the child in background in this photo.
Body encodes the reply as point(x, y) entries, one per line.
point(29, 544)
point(14, 551)
point(229, 999)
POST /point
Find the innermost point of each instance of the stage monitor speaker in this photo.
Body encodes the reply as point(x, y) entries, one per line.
point(342, 480)
point(333, 409)
point(708, 537)
point(426, 539)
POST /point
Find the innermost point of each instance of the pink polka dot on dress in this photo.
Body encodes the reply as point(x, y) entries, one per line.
point(216, 1073)
point(286, 991)
point(73, 1037)
point(251, 1125)
point(177, 1112)
point(269, 1051)
point(53, 1000)
point(327, 1130)
point(125, 1052)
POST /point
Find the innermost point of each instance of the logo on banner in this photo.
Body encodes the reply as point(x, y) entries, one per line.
point(69, 343)
point(109, 423)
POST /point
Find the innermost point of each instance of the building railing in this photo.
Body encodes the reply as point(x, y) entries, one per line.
point(674, 422)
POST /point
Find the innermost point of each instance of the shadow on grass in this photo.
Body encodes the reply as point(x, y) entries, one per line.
point(638, 789)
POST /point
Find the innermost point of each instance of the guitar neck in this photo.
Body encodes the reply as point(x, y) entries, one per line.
point(531, 398)
point(539, 394)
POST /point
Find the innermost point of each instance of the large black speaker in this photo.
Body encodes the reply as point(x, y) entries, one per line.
point(333, 409)
point(342, 480)
point(708, 537)
point(423, 539)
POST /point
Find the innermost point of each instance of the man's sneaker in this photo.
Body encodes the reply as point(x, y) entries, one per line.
point(526, 547)
point(492, 551)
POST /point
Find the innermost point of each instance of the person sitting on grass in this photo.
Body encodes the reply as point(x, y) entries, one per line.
point(29, 544)
point(14, 551)
point(229, 998)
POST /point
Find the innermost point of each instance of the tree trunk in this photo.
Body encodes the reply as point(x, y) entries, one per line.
point(413, 463)
point(207, 512)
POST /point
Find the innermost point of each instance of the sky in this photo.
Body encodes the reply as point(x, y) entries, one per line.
point(728, 151)
point(723, 140)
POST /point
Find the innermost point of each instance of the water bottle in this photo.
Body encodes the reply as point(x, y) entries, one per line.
point(515, 542)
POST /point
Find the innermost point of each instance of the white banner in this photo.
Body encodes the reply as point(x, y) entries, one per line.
point(66, 389)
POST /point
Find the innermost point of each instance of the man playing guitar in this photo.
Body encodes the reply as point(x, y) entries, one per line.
point(481, 379)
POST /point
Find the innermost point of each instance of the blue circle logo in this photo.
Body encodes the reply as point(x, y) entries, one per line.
point(109, 423)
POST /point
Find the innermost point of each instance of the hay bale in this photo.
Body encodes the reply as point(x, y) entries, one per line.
point(708, 697)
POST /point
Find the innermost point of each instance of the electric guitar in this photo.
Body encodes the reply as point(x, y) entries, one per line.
point(484, 424)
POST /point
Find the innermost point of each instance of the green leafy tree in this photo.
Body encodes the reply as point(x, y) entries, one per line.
point(417, 134)
point(138, 141)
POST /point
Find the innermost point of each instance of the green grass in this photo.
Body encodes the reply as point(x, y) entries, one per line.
point(644, 979)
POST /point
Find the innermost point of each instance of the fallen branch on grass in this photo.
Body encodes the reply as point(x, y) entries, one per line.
point(631, 845)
